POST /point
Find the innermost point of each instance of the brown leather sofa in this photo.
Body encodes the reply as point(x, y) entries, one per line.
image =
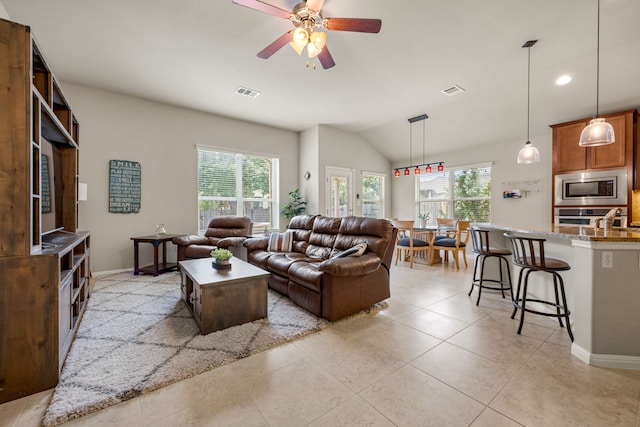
point(227, 232)
point(314, 278)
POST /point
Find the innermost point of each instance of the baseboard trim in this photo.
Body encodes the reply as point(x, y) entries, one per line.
point(106, 273)
point(606, 360)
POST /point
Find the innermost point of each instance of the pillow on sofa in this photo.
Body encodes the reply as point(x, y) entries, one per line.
point(280, 242)
point(357, 250)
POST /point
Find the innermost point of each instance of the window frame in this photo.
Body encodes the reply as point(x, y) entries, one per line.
point(239, 199)
point(451, 199)
point(381, 197)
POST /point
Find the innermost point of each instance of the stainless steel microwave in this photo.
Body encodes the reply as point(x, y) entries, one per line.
point(591, 188)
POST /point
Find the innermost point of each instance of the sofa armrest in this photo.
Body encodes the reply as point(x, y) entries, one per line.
point(190, 240)
point(351, 266)
point(256, 243)
point(230, 241)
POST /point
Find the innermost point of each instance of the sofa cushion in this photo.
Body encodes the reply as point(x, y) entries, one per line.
point(357, 250)
point(280, 262)
point(280, 242)
point(306, 274)
point(378, 233)
point(198, 251)
point(323, 237)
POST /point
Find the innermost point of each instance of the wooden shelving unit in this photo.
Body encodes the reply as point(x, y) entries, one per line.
point(44, 260)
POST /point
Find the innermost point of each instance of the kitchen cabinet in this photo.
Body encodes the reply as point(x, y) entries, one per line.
point(568, 156)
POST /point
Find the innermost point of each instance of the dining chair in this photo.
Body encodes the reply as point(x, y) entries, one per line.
point(456, 241)
point(407, 243)
point(446, 227)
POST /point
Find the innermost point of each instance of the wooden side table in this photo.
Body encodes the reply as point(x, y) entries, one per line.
point(157, 267)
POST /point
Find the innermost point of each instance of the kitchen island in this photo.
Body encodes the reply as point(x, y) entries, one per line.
point(603, 288)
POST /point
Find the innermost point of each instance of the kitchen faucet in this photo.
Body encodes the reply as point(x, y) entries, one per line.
point(608, 218)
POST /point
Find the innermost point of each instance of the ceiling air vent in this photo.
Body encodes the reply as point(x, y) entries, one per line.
point(453, 90)
point(247, 92)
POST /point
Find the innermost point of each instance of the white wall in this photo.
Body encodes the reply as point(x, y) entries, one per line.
point(309, 153)
point(3, 12)
point(348, 150)
point(533, 210)
point(162, 138)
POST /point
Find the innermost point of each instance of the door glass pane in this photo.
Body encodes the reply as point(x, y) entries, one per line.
point(339, 199)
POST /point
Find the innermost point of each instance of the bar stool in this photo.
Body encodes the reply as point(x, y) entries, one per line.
point(528, 254)
point(483, 250)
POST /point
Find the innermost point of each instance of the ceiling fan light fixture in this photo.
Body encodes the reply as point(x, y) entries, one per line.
point(318, 39)
point(300, 37)
point(598, 132)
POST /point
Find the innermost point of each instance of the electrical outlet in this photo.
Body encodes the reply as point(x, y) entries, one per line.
point(607, 259)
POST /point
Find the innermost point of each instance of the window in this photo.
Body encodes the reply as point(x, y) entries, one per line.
point(237, 184)
point(463, 192)
point(372, 195)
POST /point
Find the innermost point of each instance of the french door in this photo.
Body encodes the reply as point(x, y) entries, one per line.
point(339, 191)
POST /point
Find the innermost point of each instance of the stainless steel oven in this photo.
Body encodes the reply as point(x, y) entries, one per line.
point(591, 188)
point(587, 216)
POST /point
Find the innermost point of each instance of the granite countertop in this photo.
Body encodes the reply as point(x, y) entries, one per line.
point(574, 232)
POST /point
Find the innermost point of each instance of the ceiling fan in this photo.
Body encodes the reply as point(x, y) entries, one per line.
point(309, 23)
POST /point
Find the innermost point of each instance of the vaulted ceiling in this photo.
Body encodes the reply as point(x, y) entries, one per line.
point(195, 53)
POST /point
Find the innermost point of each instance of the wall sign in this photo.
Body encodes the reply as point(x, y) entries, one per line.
point(125, 179)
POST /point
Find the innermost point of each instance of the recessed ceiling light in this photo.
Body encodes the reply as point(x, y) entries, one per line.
point(563, 80)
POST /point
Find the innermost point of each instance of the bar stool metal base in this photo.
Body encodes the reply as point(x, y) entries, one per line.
point(501, 284)
point(562, 311)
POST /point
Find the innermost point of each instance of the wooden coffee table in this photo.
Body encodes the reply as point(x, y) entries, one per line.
point(219, 299)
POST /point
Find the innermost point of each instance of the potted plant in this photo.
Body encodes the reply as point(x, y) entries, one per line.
point(295, 207)
point(221, 258)
point(424, 217)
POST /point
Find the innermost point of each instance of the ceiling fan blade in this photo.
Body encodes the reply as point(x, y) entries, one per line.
point(325, 58)
point(360, 25)
point(315, 5)
point(276, 45)
point(264, 7)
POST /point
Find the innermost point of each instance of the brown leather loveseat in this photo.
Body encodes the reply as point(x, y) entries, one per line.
point(313, 275)
point(222, 232)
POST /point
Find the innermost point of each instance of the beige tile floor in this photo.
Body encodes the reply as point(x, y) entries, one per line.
point(431, 357)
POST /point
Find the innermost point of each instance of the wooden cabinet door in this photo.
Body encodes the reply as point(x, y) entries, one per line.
point(612, 155)
point(568, 156)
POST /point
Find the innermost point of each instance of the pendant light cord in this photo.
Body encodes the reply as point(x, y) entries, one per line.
point(411, 144)
point(423, 137)
point(528, 91)
point(598, 64)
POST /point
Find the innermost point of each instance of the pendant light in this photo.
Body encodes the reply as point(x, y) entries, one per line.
point(529, 153)
point(598, 132)
point(417, 168)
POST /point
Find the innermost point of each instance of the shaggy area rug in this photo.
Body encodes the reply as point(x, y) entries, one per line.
point(137, 335)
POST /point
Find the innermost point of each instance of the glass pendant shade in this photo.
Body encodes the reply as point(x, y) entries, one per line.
point(528, 154)
point(416, 171)
point(440, 167)
point(300, 40)
point(406, 172)
point(396, 173)
point(428, 169)
point(597, 133)
point(318, 39)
